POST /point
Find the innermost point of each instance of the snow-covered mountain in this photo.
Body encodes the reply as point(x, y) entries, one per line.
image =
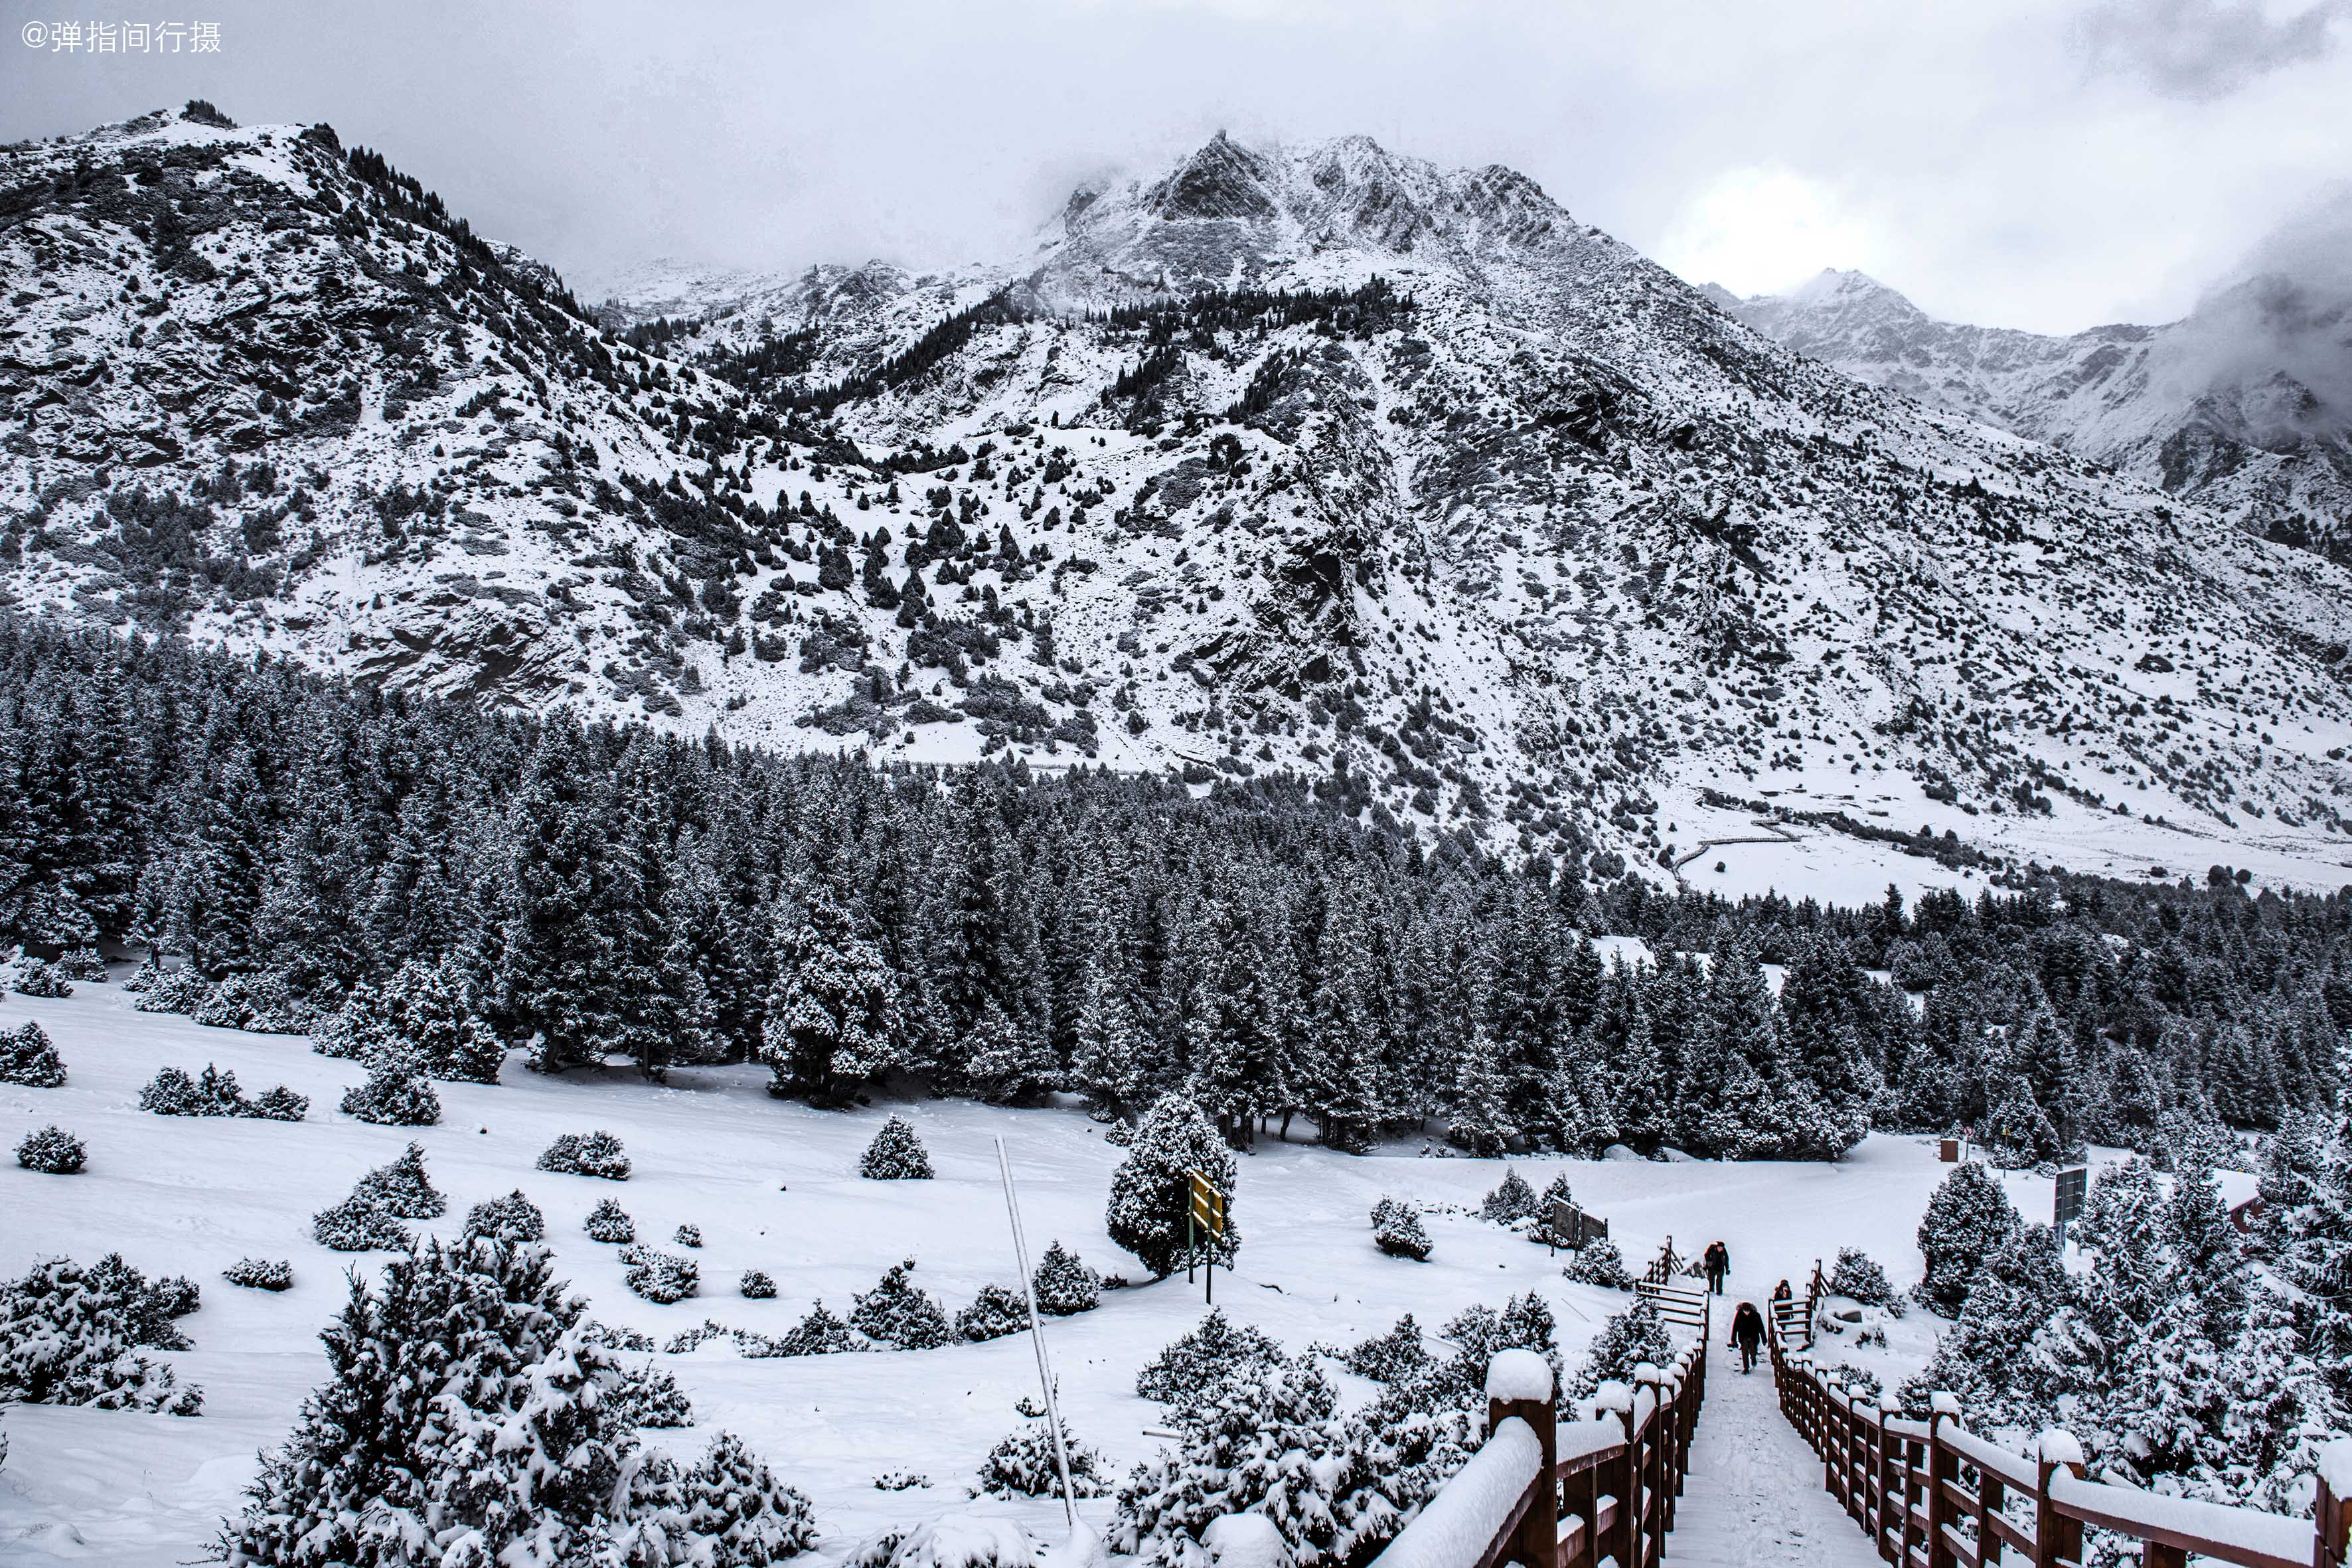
point(1317, 458)
point(2240, 405)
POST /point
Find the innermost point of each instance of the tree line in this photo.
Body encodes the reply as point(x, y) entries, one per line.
point(601, 891)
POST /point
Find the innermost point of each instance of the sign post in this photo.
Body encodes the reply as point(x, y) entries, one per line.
point(2073, 1185)
point(1204, 1214)
point(1573, 1226)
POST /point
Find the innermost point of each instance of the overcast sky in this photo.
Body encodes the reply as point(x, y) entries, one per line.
point(2044, 165)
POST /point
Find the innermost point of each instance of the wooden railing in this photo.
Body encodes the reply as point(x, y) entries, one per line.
point(1792, 1320)
point(1932, 1494)
point(1545, 1494)
point(1686, 1307)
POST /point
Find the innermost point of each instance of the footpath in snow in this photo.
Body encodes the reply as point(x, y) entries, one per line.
point(1754, 1497)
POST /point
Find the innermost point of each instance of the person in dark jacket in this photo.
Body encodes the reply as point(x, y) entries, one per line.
point(1717, 1259)
point(1748, 1335)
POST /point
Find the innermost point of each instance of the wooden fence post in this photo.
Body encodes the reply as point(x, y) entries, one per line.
point(2056, 1538)
point(1894, 1481)
point(2331, 1512)
point(1625, 1478)
point(1943, 1473)
point(1651, 1474)
point(1510, 1391)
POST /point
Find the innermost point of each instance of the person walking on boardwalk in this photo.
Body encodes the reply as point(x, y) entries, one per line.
point(1717, 1259)
point(1748, 1335)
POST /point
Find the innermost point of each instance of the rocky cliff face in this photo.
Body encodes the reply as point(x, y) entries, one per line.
point(1316, 459)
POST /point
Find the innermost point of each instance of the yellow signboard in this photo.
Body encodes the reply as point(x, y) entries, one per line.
point(1208, 1204)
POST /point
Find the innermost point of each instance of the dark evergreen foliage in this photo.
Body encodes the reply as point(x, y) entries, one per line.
point(52, 1151)
point(586, 1154)
point(260, 1274)
point(1064, 1285)
point(28, 1058)
point(608, 1222)
point(513, 1217)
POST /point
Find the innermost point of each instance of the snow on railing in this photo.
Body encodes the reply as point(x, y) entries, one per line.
point(1907, 1484)
point(1546, 1494)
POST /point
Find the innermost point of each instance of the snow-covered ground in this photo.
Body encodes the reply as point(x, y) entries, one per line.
point(771, 1186)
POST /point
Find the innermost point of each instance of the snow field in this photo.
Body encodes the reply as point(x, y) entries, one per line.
point(772, 1184)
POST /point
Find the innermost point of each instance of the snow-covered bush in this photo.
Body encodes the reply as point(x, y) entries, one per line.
point(258, 1004)
point(149, 969)
point(38, 978)
point(687, 1236)
point(1215, 1350)
point(609, 1222)
point(403, 1187)
point(70, 1336)
point(149, 1308)
point(899, 1313)
point(172, 1093)
point(660, 1277)
point(896, 1155)
point(260, 1274)
point(513, 1217)
point(1512, 1200)
point(1557, 1193)
point(52, 1151)
point(1395, 1356)
point(957, 1541)
point(395, 1095)
point(993, 1313)
point(1968, 1218)
point(612, 1339)
point(358, 1224)
point(820, 1331)
point(900, 1481)
point(757, 1286)
point(1634, 1336)
point(1149, 1193)
point(279, 1103)
point(734, 1502)
point(181, 990)
point(1859, 1278)
point(1064, 1287)
point(1598, 1262)
point(686, 1341)
point(1023, 1465)
point(648, 1396)
point(26, 1058)
point(425, 1013)
point(1397, 1230)
point(597, 1153)
point(83, 964)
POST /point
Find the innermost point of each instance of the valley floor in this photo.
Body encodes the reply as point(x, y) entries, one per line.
point(772, 1186)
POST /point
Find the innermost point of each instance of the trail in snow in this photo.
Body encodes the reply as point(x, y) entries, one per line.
point(1754, 1497)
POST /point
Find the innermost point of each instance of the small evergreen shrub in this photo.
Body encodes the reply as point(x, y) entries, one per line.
point(258, 1004)
point(1599, 1262)
point(28, 1059)
point(993, 1313)
point(608, 1222)
point(83, 964)
point(820, 1332)
point(687, 1236)
point(896, 1155)
point(660, 1277)
point(1397, 1356)
point(52, 1151)
point(1064, 1286)
point(395, 1095)
point(278, 1104)
point(1513, 1200)
point(260, 1274)
point(595, 1153)
point(1397, 1231)
point(147, 1308)
point(172, 1093)
point(1215, 1350)
point(1858, 1276)
point(731, 1500)
point(181, 990)
point(897, 1313)
point(513, 1217)
point(403, 1189)
point(1151, 1187)
point(1634, 1336)
point(356, 1225)
point(38, 978)
point(1023, 1465)
point(757, 1286)
point(649, 1396)
point(69, 1335)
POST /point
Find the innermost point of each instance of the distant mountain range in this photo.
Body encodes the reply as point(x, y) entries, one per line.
point(2240, 405)
point(1316, 460)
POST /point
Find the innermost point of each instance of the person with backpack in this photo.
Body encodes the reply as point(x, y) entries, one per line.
point(1717, 1259)
point(1748, 1335)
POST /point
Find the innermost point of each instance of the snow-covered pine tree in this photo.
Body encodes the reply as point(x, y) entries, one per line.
point(1634, 1336)
point(1064, 1286)
point(609, 1222)
point(1213, 1351)
point(735, 1504)
point(1599, 1262)
point(660, 1277)
point(1391, 1357)
point(687, 1235)
point(2018, 1134)
point(38, 977)
point(820, 1331)
point(647, 1396)
point(832, 1016)
point(1108, 1065)
point(1007, 1062)
point(1478, 1121)
point(1397, 1230)
point(597, 1153)
point(1510, 1201)
point(278, 1103)
point(1022, 1464)
point(403, 1187)
point(1967, 1219)
point(1857, 1276)
point(896, 1155)
point(69, 1338)
point(395, 1095)
point(28, 1058)
point(993, 1313)
point(260, 1274)
point(358, 1224)
point(1149, 1194)
point(899, 1313)
point(511, 1218)
point(1984, 1359)
point(757, 1285)
point(427, 1013)
point(52, 1151)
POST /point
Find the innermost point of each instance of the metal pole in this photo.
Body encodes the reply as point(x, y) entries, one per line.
point(1037, 1336)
